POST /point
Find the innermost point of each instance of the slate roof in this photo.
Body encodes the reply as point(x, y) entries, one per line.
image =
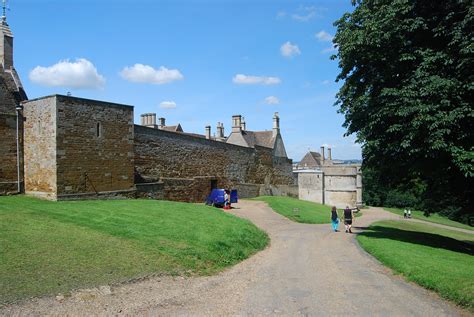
point(260, 138)
point(311, 159)
point(172, 128)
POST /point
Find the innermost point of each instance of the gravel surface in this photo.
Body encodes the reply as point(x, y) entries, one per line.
point(306, 270)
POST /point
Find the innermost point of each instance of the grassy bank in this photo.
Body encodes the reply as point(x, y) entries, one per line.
point(50, 247)
point(435, 218)
point(298, 210)
point(438, 259)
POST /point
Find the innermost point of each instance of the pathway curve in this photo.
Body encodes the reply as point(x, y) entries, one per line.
point(307, 270)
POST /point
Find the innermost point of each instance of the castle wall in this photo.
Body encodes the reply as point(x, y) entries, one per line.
point(335, 185)
point(77, 147)
point(187, 165)
point(94, 146)
point(9, 98)
point(40, 132)
point(8, 161)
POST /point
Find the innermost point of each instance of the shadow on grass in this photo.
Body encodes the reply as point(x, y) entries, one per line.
point(421, 238)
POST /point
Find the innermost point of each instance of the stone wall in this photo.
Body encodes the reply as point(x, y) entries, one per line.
point(336, 185)
point(40, 147)
point(95, 146)
point(8, 155)
point(77, 146)
point(10, 97)
point(188, 165)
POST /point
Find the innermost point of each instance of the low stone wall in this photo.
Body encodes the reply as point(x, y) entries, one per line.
point(247, 190)
point(120, 194)
point(150, 190)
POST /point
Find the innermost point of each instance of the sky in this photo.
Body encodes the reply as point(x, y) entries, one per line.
point(193, 62)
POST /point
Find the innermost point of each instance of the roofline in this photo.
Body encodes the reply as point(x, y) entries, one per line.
point(108, 103)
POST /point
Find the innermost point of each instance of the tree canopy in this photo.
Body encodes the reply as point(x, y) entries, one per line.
point(408, 70)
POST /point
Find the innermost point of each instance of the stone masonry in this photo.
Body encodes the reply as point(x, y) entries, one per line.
point(77, 146)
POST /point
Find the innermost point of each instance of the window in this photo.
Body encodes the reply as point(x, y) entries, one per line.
point(98, 130)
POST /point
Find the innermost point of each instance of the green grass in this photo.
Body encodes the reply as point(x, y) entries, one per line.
point(50, 247)
point(308, 212)
point(438, 259)
point(435, 218)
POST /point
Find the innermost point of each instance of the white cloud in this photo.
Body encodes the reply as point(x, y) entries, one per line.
point(289, 50)
point(325, 82)
point(324, 36)
point(305, 14)
point(304, 17)
point(281, 14)
point(255, 80)
point(140, 73)
point(272, 100)
point(80, 74)
point(168, 105)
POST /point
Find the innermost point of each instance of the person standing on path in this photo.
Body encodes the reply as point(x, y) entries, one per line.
point(348, 218)
point(334, 218)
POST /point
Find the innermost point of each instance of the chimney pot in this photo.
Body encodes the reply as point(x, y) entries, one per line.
point(322, 153)
point(208, 132)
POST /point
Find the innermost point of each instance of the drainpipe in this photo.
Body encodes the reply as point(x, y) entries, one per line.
point(18, 109)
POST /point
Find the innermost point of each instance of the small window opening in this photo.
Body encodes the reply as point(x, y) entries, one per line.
point(98, 130)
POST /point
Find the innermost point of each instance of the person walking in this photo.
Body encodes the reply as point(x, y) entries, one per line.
point(334, 218)
point(348, 218)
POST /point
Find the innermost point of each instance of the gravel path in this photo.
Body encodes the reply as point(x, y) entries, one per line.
point(307, 270)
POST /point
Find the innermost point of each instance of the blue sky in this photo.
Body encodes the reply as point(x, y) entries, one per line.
point(192, 62)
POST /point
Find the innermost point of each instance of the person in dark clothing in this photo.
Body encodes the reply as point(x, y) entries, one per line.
point(348, 219)
point(334, 219)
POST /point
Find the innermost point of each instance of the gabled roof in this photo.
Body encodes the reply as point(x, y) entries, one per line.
point(172, 128)
point(311, 159)
point(260, 138)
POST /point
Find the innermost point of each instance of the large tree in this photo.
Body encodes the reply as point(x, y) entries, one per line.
point(408, 70)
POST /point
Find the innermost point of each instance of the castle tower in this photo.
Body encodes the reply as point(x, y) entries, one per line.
point(6, 42)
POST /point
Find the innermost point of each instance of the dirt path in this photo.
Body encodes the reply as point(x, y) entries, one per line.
point(307, 270)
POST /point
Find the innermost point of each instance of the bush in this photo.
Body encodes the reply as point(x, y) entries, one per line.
point(400, 199)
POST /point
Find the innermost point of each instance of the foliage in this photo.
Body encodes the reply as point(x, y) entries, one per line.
point(407, 95)
point(438, 259)
point(50, 247)
point(298, 210)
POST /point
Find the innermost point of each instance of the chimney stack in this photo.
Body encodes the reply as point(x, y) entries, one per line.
point(243, 124)
point(148, 120)
point(237, 123)
point(276, 124)
point(329, 153)
point(161, 123)
point(322, 153)
point(208, 132)
point(220, 131)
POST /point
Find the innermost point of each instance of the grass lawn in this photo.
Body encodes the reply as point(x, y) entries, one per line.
point(308, 212)
point(438, 259)
point(50, 247)
point(435, 218)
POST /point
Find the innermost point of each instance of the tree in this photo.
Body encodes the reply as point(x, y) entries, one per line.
point(407, 68)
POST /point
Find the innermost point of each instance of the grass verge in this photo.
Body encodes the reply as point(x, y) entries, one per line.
point(435, 218)
point(298, 210)
point(438, 259)
point(50, 247)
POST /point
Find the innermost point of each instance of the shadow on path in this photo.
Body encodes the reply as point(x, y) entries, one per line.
point(422, 238)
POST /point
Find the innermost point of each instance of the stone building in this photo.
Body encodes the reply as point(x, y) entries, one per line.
point(77, 147)
point(11, 95)
point(321, 180)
